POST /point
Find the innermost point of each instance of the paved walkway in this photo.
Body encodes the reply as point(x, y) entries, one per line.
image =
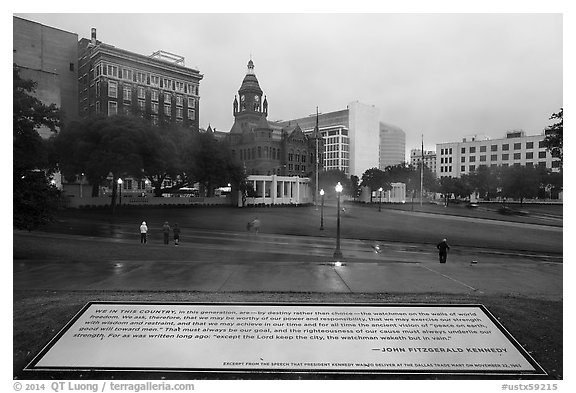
point(284, 263)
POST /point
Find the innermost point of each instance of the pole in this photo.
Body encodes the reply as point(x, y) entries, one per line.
point(322, 211)
point(316, 132)
point(337, 252)
point(422, 172)
point(380, 203)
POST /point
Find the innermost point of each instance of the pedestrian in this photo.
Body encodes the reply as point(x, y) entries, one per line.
point(176, 230)
point(166, 231)
point(443, 248)
point(256, 224)
point(143, 232)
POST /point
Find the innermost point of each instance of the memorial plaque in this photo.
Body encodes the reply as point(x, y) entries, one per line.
point(317, 338)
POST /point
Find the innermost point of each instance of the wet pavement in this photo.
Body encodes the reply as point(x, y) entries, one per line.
point(220, 261)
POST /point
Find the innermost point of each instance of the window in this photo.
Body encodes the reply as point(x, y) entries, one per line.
point(463, 151)
point(517, 156)
point(505, 165)
point(482, 158)
point(155, 80)
point(179, 100)
point(111, 70)
point(71, 66)
point(179, 86)
point(97, 88)
point(112, 108)
point(506, 147)
point(529, 145)
point(112, 89)
point(482, 149)
point(450, 150)
point(505, 157)
point(541, 154)
point(167, 84)
point(494, 148)
point(126, 74)
point(529, 155)
point(142, 105)
point(141, 78)
point(517, 146)
point(191, 114)
point(462, 159)
point(167, 98)
point(541, 144)
point(141, 92)
point(493, 157)
point(127, 93)
point(191, 102)
point(556, 164)
point(168, 110)
point(472, 158)
point(99, 70)
point(179, 113)
point(97, 106)
point(154, 95)
point(154, 119)
point(472, 168)
point(472, 149)
point(463, 168)
point(154, 107)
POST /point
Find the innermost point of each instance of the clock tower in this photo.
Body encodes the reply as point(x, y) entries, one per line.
point(248, 105)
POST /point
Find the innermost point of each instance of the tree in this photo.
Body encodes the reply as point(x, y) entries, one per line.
point(328, 179)
point(554, 136)
point(354, 186)
point(520, 182)
point(103, 147)
point(375, 178)
point(35, 199)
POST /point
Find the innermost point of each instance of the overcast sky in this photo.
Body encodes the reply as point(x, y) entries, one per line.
point(441, 75)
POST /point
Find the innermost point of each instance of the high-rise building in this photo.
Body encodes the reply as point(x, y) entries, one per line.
point(158, 87)
point(517, 148)
point(392, 146)
point(350, 137)
point(49, 57)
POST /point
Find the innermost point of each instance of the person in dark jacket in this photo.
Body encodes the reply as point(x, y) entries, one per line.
point(176, 230)
point(166, 231)
point(443, 248)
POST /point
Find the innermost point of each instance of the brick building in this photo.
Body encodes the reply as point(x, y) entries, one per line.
point(158, 87)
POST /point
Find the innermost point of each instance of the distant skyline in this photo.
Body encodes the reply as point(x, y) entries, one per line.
point(444, 76)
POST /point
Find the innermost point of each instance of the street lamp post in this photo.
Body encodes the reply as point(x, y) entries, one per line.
point(337, 252)
point(380, 203)
point(120, 191)
point(322, 210)
point(81, 184)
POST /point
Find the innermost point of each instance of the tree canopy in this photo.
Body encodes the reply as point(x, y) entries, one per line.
point(35, 199)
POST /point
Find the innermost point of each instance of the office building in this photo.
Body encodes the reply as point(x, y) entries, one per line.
point(429, 159)
point(158, 87)
point(351, 137)
point(516, 148)
point(392, 146)
point(49, 57)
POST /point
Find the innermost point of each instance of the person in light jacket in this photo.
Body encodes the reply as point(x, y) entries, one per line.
point(143, 232)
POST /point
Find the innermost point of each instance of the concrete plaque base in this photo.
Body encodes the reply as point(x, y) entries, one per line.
point(316, 338)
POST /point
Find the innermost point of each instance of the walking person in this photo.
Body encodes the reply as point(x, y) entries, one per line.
point(143, 232)
point(443, 248)
point(166, 231)
point(176, 230)
point(256, 225)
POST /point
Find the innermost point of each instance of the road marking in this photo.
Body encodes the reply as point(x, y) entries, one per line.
point(452, 279)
